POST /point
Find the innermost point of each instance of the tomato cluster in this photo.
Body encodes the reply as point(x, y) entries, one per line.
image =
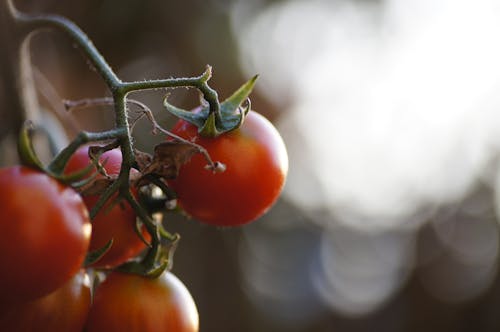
point(48, 234)
point(47, 282)
point(224, 165)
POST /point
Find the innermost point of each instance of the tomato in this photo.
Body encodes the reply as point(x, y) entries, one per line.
point(113, 221)
point(127, 302)
point(257, 165)
point(64, 310)
point(45, 232)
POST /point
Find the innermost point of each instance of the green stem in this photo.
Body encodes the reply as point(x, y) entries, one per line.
point(199, 82)
point(105, 196)
point(59, 162)
point(152, 228)
point(121, 121)
point(159, 84)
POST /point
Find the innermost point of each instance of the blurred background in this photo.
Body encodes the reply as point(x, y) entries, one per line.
point(390, 110)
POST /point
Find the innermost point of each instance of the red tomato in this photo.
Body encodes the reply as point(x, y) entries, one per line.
point(257, 165)
point(45, 234)
point(64, 310)
point(127, 302)
point(115, 222)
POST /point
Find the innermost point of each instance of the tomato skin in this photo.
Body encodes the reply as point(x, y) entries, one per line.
point(64, 310)
point(111, 222)
point(46, 233)
point(127, 302)
point(257, 165)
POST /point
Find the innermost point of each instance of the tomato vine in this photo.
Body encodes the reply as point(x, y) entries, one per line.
point(153, 262)
point(223, 162)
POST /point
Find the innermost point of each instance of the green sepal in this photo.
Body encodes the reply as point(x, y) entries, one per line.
point(156, 271)
point(25, 147)
point(170, 248)
point(210, 127)
point(162, 258)
point(94, 256)
point(138, 230)
point(172, 238)
point(196, 118)
point(230, 116)
point(231, 104)
point(79, 178)
point(58, 163)
point(136, 267)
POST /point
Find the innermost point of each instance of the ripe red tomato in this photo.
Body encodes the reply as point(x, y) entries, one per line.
point(45, 234)
point(115, 222)
point(64, 310)
point(127, 302)
point(257, 165)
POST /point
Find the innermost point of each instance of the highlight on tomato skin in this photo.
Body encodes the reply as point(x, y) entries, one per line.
point(133, 303)
point(46, 231)
point(256, 168)
point(64, 310)
point(114, 221)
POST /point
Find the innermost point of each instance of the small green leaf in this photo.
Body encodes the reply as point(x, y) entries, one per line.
point(209, 128)
point(94, 256)
point(197, 118)
point(138, 231)
point(231, 114)
point(170, 248)
point(79, 185)
point(79, 178)
point(173, 238)
point(229, 106)
point(157, 271)
point(135, 267)
point(25, 147)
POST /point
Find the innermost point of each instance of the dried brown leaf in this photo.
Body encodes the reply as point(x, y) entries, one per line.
point(168, 157)
point(143, 159)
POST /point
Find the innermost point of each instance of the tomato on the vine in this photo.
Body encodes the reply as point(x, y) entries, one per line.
point(256, 167)
point(45, 234)
point(116, 221)
point(128, 302)
point(64, 310)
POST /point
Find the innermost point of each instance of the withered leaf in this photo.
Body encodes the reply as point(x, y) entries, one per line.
point(168, 157)
point(143, 159)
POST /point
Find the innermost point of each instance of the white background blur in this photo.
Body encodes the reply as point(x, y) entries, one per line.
point(391, 113)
